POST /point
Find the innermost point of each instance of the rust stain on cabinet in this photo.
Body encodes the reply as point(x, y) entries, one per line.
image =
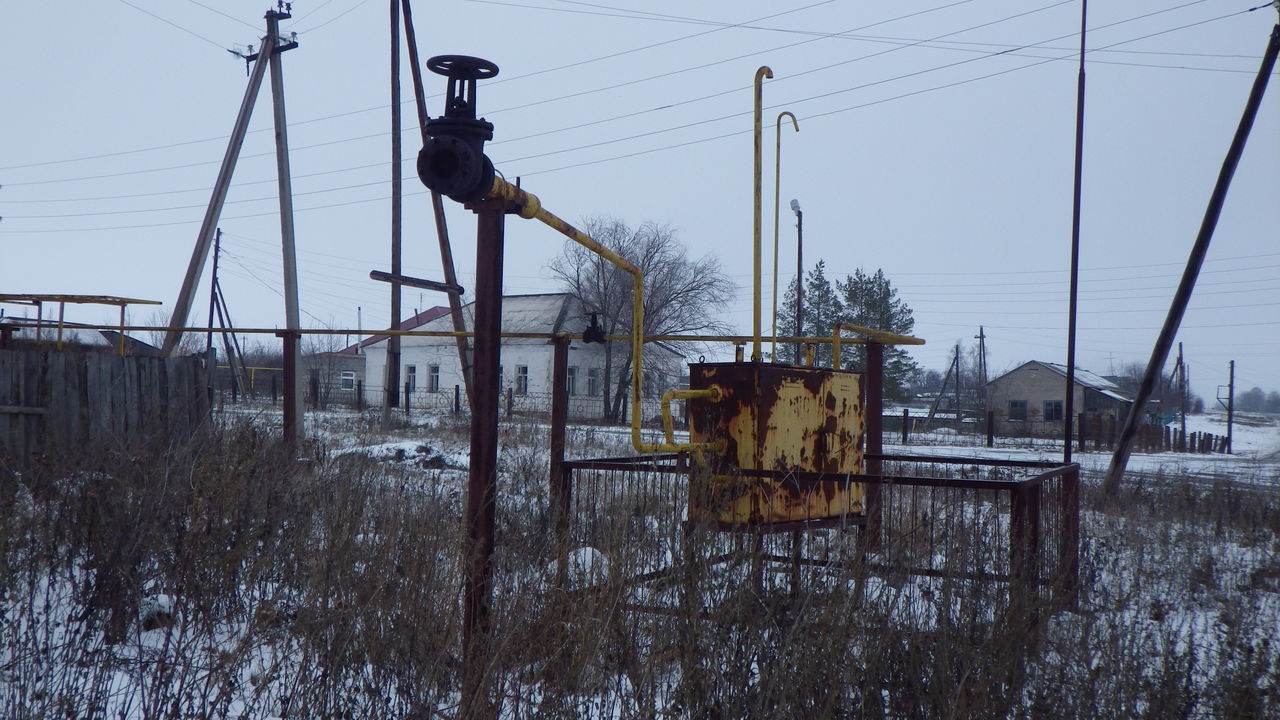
point(778, 417)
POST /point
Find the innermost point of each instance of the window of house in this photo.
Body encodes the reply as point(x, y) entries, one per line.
point(522, 379)
point(1017, 409)
point(411, 376)
point(433, 378)
point(593, 382)
point(347, 381)
point(1052, 410)
point(571, 381)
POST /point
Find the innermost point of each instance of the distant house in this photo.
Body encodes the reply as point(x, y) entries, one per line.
point(338, 375)
point(430, 367)
point(1029, 400)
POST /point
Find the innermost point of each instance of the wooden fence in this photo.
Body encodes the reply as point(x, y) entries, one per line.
point(55, 402)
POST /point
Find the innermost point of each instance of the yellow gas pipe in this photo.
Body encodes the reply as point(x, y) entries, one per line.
point(777, 187)
point(529, 207)
point(761, 73)
point(879, 336)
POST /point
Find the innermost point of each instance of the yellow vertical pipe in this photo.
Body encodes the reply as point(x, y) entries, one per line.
point(777, 187)
point(761, 73)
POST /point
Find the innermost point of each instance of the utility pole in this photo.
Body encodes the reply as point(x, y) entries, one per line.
point(982, 355)
point(1195, 260)
point(293, 320)
point(213, 297)
point(958, 408)
point(1231, 402)
point(1068, 412)
point(210, 353)
point(437, 204)
point(182, 307)
point(981, 390)
point(393, 343)
point(1182, 392)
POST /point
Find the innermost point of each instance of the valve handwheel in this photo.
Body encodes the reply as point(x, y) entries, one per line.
point(462, 67)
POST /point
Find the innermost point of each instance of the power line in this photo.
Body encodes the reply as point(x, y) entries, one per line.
point(651, 132)
point(226, 15)
point(601, 89)
point(172, 24)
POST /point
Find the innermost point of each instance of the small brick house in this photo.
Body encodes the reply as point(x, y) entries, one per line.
point(1029, 400)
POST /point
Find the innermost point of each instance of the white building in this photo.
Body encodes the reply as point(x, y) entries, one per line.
point(429, 365)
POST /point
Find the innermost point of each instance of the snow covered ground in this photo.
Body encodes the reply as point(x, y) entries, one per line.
point(1175, 587)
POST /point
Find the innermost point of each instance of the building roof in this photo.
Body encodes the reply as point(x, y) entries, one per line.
point(1083, 378)
point(413, 323)
point(541, 314)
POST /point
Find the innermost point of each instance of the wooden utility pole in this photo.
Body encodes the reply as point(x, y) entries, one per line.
point(437, 205)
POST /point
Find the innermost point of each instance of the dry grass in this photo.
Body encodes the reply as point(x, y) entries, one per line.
point(218, 578)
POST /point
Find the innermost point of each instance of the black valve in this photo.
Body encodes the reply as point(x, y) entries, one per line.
point(453, 162)
point(594, 333)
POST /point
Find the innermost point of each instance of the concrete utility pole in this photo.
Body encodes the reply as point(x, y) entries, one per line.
point(1231, 402)
point(1194, 261)
point(1182, 393)
point(195, 268)
point(293, 321)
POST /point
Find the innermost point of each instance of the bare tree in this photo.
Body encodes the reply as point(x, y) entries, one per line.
point(682, 295)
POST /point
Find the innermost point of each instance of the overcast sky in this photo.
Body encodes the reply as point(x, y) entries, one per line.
point(935, 142)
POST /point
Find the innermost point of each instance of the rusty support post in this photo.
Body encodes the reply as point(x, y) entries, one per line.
point(1069, 548)
point(291, 403)
point(873, 406)
point(906, 425)
point(483, 476)
point(1024, 534)
point(408, 391)
point(560, 490)
point(991, 428)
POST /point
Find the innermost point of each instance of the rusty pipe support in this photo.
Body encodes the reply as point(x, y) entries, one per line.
point(777, 192)
point(761, 73)
point(879, 337)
